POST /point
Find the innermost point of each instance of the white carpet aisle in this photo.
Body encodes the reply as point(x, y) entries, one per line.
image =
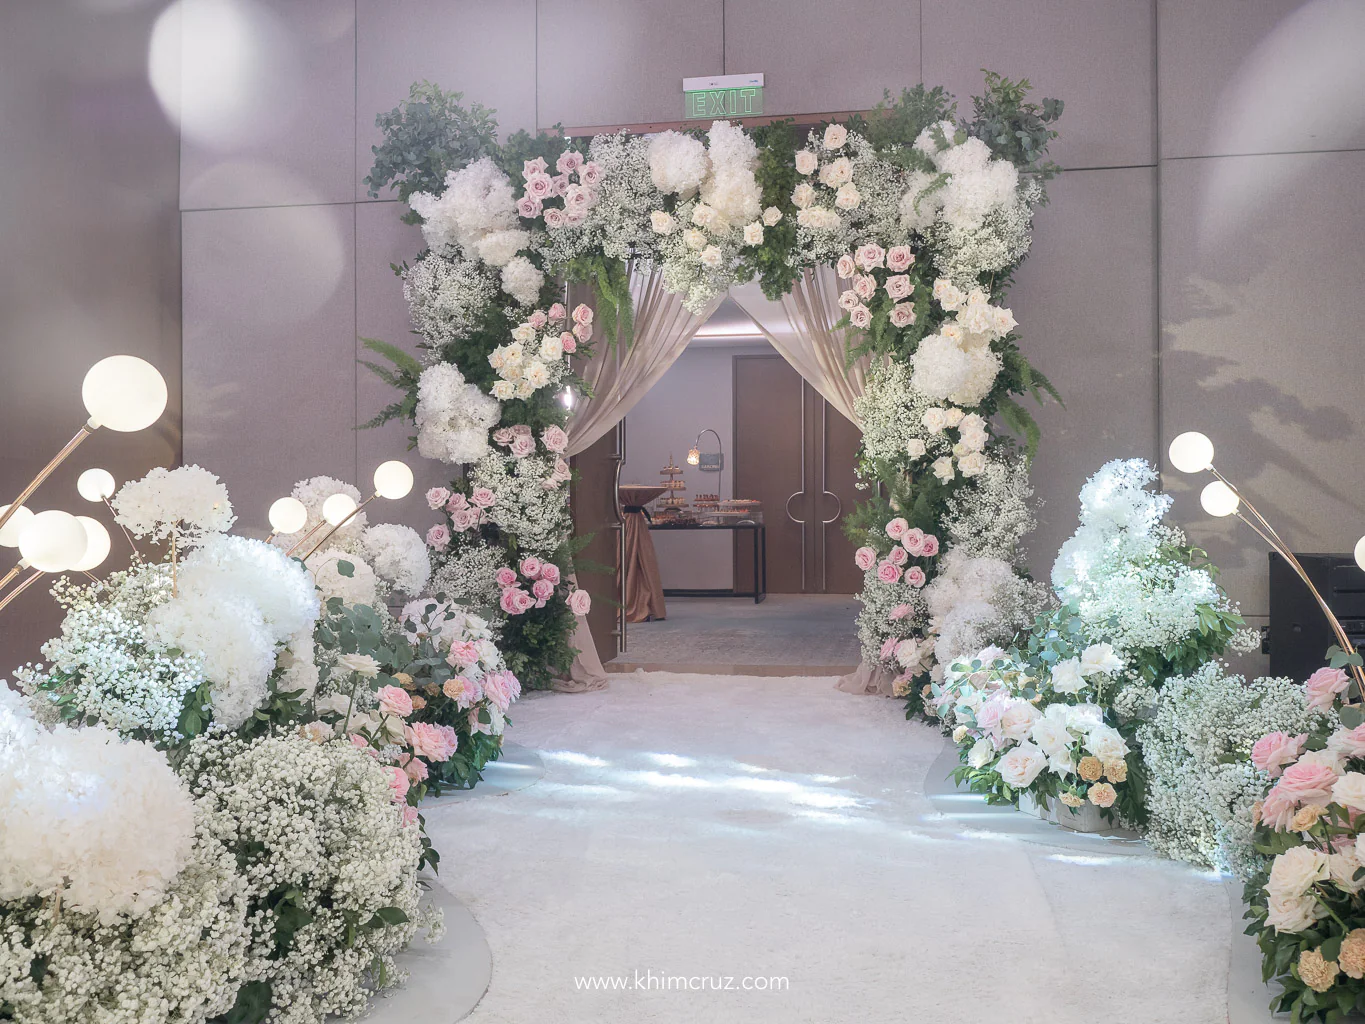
point(733, 826)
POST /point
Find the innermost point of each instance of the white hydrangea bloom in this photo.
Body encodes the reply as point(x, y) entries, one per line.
point(188, 501)
point(361, 587)
point(453, 417)
point(399, 555)
point(677, 163)
point(477, 201)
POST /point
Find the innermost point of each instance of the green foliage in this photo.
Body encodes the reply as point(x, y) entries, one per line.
point(253, 1002)
point(776, 177)
point(537, 644)
point(895, 123)
point(1014, 128)
point(610, 281)
point(425, 137)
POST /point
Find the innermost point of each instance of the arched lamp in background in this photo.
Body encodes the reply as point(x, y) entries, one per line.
point(1192, 452)
point(54, 541)
point(286, 515)
point(392, 480)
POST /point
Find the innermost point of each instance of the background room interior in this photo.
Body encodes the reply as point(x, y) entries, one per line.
point(189, 182)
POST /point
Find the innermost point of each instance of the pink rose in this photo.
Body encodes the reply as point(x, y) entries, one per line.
point(583, 332)
point(409, 815)
point(561, 470)
point(528, 207)
point(888, 648)
point(569, 342)
point(464, 519)
point(434, 742)
point(860, 317)
point(590, 173)
point(394, 700)
point(540, 186)
point(503, 435)
point(989, 714)
point(1324, 685)
point(415, 769)
point(845, 268)
point(864, 286)
point(436, 497)
point(865, 558)
point(897, 528)
point(483, 497)
point(913, 541)
point(530, 567)
point(502, 688)
point(556, 312)
point(538, 319)
point(1307, 782)
point(561, 184)
point(902, 314)
point(870, 255)
point(930, 547)
point(456, 503)
point(1347, 742)
point(555, 439)
point(530, 167)
point(510, 603)
point(898, 556)
point(1274, 750)
point(506, 577)
point(582, 314)
point(360, 742)
point(438, 537)
point(914, 576)
point(888, 572)
point(543, 590)
point(522, 447)
point(398, 782)
point(521, 430)
point(554, 217)
point(898, 258)
point(463, 653)
point(568, 162)
point(899, 286)
point(900, 611)
point(580, 602)
point(1278, 810)
point(550, 571)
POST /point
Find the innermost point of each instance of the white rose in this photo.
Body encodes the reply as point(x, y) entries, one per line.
point(1328, 758)
point(1021, 765)
point(662, 223)
point(1349, 791)
point(361, 664)
point(503, 390)
point(1293, 913)
point(947, 295)
point(753, 233)
point(953, 416)
point(981, 753)
point(1066, 676)
point(806, 161)
point(934, 420)
point(695, 239)
point(1084, 717)
point(1106, 743)
point(915, 448)
point(943, 469)
point(959, 734)
point(835, 136)
point(703, 215)
point(771, 216)
point(551, 347)
point(711, 257)
point(837, 172)
point(523, 332)
point(1051, 737)
point(334, 704)
point(1099, 658)
point(1296, 871)
point(1017, 721)
point(1343, 866)
point(803, 195)
point(972, 464)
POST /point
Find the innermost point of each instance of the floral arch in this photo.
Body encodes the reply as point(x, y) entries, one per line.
point(891, 240)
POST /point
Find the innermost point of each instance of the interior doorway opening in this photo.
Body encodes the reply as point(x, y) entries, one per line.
point(748, 570)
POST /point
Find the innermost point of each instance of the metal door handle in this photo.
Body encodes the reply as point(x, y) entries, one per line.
point(836, 514)
point(787, 507)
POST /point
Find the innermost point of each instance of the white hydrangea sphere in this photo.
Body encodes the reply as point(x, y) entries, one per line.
point(361, 587)
point(399, 555)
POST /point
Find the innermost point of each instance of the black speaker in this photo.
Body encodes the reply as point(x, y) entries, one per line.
point(1299, 632)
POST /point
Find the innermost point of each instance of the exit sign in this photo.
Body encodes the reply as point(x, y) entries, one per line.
point(723, 96)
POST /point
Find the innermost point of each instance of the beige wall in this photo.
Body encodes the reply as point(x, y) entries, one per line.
point(90, 251)
point(1182, 277)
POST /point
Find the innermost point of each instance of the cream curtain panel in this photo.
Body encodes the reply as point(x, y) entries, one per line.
point(619, 379)
point(801, 327)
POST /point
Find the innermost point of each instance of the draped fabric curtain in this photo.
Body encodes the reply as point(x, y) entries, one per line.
point(619, 377)
point(801, 327)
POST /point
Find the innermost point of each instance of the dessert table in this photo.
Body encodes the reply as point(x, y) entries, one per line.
point(643, 590)
point(760, 548)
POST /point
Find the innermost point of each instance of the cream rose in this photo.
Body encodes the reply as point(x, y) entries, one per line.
point(1021, 765)
point(1296, 871)
point(835, 136)
point(753, 233)
point(771, 216)
point(806, 162)
point(662, 223)
point(1349, 791)
point(803, 195)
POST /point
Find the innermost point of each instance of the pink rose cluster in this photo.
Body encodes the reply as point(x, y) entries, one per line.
point(862, 288)
point(501, 688)
point(433, 742)
point(466, 513)
point(575, 184)
point(909, 543)
point(532, 589)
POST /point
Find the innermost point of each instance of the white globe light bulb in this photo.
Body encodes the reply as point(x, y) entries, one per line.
point(53, 541)
point(14, 529)
point(393, 480)
point(95, 484)
point(336, 508)
point(1219, 499)
point(1191, 452)
point(1360, 552)
point(287, 515)
point(96, 544)
point(124, 393)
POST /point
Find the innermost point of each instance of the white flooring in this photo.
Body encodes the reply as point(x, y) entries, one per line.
point(731, 826)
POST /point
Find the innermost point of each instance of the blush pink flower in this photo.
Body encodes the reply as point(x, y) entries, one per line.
point(888, 648)
point(398, 782)
point(530, 567)
point(845, 268)
point(898, 258)
point(409, 815)
point(554, 217)
point(580, 602)
point(561, 185)
point(522, 447)
point(550, 571)
point(521, 430)
point(438, 537)
point(1278, 810)
point(583, 332)
point(1323, 686)
point(870, 255)
point(528, 207)
point(483, 497)
point(900, 611)
point(888, 572)
point(913, 541)
point(896, 529)
point(569, 342)
point(434, 742)
point(902, 314)
point(930, 547)
point(502, 688)
point(582, 314)
point(864, 286)
point(465, 692)
point(898, 286)
point(456, 503)
point(898, 556)
point(865, 558)
point(506, 577)
point(989, 714)
point(590, 173)
point(463, 653)
point(394, 700)
point(555, 439)
point(415, 769)
point(538, 319)
point(540, 185)
point(1307, 782)
point(1274, 750)
point(914, 576)
point(464, 519)
point(509, 602)
point(436, 497)
point(543, 590)
point(1348, 742)
point(556, 312)
point(568, 162)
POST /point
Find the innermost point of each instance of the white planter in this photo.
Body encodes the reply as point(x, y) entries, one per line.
point(1085, 818)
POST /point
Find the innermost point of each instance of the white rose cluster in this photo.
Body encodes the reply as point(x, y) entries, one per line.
point(958, 364)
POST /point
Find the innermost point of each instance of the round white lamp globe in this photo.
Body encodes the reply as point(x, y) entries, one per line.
point(124, 393)
point(1219, 499)
point(54, 541)
point(1360, 552)
point(287, 515)
point(336, 508)
point(1191, 452)
point(393, 480)
point(14, 529)
point(95, 484)
point(96, 544)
